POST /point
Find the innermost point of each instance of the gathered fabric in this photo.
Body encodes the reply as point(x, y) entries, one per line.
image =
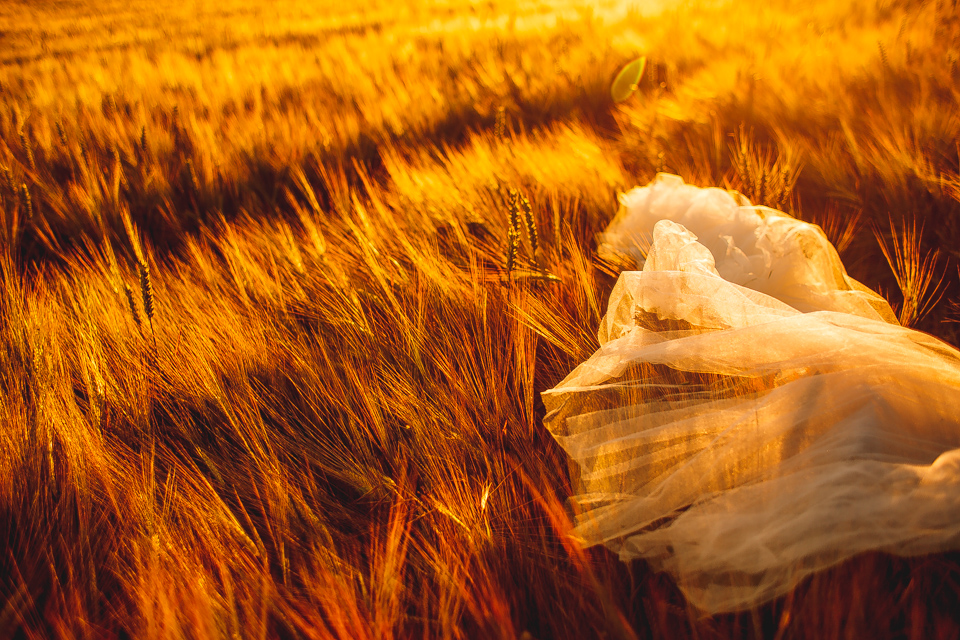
point(753, 414)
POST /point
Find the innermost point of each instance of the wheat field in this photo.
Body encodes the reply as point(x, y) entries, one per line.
point(281, 282)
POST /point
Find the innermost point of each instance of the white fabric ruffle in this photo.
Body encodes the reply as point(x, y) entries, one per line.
point(753, 414)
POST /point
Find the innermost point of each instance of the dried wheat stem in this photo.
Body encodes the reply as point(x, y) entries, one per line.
point(500, 125)
point(146, 294)
point(27, 200)
point(531, 225)
point(513, 231)
point(192, 177)
point(25, 143)
point(146, 288)
point(61, 134)
point(131, 302)
point(10, 179)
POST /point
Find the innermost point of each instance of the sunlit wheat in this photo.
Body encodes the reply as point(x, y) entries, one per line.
point(333, 428)
point(915, 269)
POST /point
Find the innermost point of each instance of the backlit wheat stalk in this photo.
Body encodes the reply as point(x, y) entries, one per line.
point(530, 223)
point(336, 450)
point(763, 179)
point(61, 134)
point(27, 147)
point(146, 294)
point(513, 229)
point(28, 201)
point(132, 304)
point(915, 271)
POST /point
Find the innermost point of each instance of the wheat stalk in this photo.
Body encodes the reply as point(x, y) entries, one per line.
point(27, 147)
point(500, 125)
point(131, 302)
point(11, 181)
point(531, 225)
point(146, 295)
point(61, 134)
point(192, 177)
point(884, 60)
point(765, 179)
point(27, 200)
point(117, 175)
point(914, 270)
point(513, 230)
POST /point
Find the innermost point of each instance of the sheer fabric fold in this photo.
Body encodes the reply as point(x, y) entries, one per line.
point(753, 413)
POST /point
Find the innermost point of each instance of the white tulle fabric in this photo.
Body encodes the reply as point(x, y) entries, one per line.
point(753, 414)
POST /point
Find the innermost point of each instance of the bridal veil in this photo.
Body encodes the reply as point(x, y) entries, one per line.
point(753, 413)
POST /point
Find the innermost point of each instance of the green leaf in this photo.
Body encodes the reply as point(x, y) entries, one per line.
point(626, 81)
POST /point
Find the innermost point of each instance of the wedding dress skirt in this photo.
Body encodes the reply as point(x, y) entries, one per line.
point(753, 414)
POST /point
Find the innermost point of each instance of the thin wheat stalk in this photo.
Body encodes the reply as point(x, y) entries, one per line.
point(513, 230)
point(61, 134)
point(192, 178)
point(914, 271)
point(146, 294)
point(531, 225)
point(500, 126)
point(28, 148)
point(131, 302)
point(27, 200)
point(11, 181)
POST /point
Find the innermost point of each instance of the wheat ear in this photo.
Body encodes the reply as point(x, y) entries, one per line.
point(25, 143)
point(11, 181)
point(531, 224)
point(62, 134)
point(513, 231)
point(132, 303)
point(500, 125)
point(146, 294)
point(27, 200)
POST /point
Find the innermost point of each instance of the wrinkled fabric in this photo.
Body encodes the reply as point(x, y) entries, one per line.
point(753, 413)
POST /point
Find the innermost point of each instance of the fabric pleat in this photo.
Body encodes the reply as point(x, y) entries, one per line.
point(753, 413)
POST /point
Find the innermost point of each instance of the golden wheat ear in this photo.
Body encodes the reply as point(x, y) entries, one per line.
point(25, 143)
point(11, 181)
point(513, 229)
point(914, 271)
point(146, 295)
point(25, 192)
point(500, 125)
point(146, 288)
point(62, 135)
point(132, 303)
point(531, 225)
